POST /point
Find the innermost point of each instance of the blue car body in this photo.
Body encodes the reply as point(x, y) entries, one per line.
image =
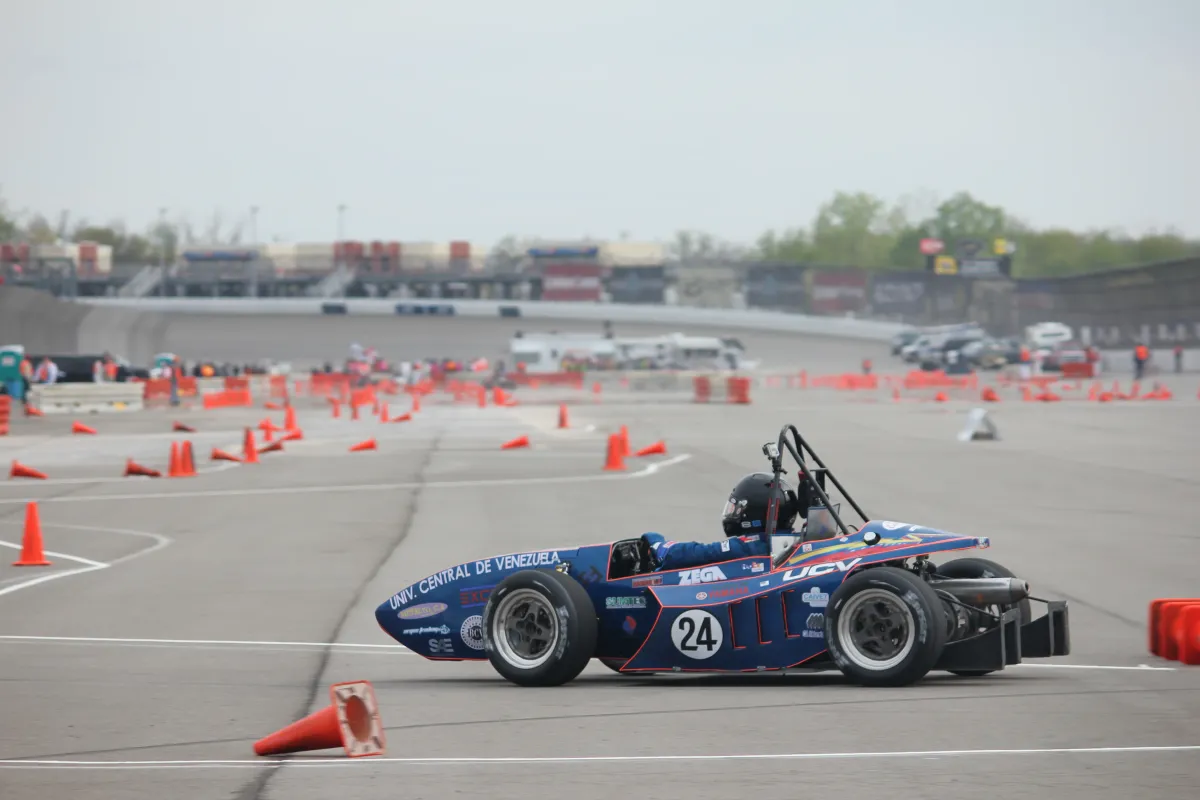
point(735, 616)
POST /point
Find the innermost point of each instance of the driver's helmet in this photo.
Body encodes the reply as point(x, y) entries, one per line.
point(745, 511)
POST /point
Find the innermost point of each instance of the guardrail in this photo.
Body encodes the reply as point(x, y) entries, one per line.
point(91, 398)
point(840, 327)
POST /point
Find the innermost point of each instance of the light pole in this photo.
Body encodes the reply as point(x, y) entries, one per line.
point(254, 244)
point(162, 251)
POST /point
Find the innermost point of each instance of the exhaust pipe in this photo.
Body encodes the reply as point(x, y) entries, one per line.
point(984, 591)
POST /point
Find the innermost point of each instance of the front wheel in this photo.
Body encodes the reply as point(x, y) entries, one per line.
point(539, 628)
point(885, 627)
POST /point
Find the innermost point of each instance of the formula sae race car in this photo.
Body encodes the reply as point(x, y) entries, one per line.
point(868, 602)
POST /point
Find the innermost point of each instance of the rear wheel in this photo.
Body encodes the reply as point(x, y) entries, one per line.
point(982, 568)
point(885, 627)
point(539, 628)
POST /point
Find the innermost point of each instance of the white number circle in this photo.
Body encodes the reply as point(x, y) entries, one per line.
point(697, 634)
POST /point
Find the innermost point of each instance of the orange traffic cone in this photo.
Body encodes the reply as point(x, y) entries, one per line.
point(940, 397)
point(187, 461)
point(19, 470)
point(221, 455)
point(658, 448)
point(32, 554)
point(405, 417)
point(249, 449)
point(133, 468)
point(335, 407)
point(351, 721)
point(562, 416)
point(294, 435)
point(368, 444)
point(181, 428)
point(989, 395)
point(273, 447)
point(79, 427)
point(271, 405)
point(383, 412)
point(625, 450)
point(30, 411)
point(354, 411)
point(1187, 635)
point(416, 405)
point(513, 444)
point(615, 460)
point(289, 419)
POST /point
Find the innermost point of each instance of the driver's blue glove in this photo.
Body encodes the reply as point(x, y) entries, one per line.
point(657, 544)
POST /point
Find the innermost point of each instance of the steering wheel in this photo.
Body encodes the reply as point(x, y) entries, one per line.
point(633, 557)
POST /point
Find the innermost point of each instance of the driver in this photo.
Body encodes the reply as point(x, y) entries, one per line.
point(745, 522)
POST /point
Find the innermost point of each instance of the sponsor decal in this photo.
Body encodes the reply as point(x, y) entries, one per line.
point(757, 566)
point(653, 580)
point(806, 548)
point(725, 546)
point(624, 602)
point(732, 591)
point(422, 631)
point(441, 647)
point(629, 625)
point(815, 597)
point(540, 558)
point(817, 570)
point(703, 575)
point(421, 611)
point(701, 595)
point(474, 596)
point(472, 632)
point(697, 634)
point(814, 627)
point(893, 526)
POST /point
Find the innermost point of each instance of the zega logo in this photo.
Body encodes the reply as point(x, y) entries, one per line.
point(422, 611)
point(817, 570)
point(702, 575)
point(815, 597)
point(421, 631)
point(472, 632)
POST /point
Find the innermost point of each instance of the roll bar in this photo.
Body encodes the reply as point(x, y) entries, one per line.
point(815, 477)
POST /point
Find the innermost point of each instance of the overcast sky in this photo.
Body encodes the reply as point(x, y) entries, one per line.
point(560, 118)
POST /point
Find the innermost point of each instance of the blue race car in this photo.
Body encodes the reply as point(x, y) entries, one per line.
point(866, 601)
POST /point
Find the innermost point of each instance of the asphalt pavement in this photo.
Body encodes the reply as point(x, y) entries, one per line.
point(185, 618)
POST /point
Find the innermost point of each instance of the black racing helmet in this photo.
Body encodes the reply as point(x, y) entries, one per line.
point(746, 509)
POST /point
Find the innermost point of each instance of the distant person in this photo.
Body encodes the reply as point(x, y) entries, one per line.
point(1178, 358)
point(1141, 354)
point(47, 372)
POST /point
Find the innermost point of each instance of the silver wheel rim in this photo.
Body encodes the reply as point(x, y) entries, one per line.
point(525, 629)
point(876, 630)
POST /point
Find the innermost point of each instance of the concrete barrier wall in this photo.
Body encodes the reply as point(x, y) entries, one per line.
point(731, 319)
point(45, 324)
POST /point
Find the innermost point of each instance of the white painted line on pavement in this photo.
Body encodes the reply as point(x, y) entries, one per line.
point(399, 649)
point(159, 540)
point(354, 488)
point(718, 758)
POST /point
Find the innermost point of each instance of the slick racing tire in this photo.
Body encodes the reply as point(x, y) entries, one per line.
point(885, 627)
point(982, 568)
point(539, 628)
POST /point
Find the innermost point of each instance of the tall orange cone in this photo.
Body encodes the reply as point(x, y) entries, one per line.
point(187, 460)
point(32, 554)
point(79, 427)
point(625, 450)
point(249, 448)
point(383, 412)
point(615, 460)
point(351, 721)
point(19, 470)
point(368, 444)
point(289, 419)
point(658, 448)
point(132, 468)
point(173, 464)
point(416, 405)
point(513, 444)
point(562, 416)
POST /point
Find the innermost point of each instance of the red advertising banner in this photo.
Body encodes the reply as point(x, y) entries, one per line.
point(836, 292)
point(572, 282)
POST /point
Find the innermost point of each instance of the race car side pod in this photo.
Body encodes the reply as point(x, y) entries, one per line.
point(984, 591)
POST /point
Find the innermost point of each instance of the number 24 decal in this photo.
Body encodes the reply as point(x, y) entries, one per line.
point(697, 634)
